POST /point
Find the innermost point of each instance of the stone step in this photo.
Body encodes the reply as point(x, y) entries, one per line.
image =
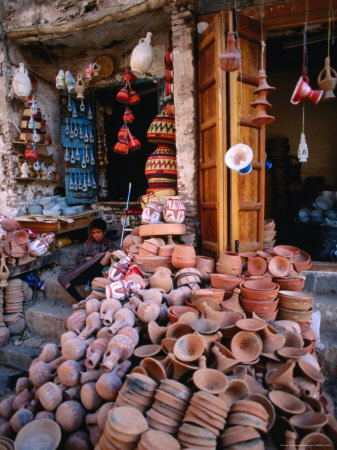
point(327, 353)
point(321, 283)
point(48, 318)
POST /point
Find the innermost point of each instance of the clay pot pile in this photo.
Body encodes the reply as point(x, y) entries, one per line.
point(296, 306)
point(260, 297)
point(269, 234)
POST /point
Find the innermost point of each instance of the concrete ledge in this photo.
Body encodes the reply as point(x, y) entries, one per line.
point(327, 354)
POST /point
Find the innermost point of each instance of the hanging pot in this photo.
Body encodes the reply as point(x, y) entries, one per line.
point(128, 116)
point(230, 60)
point(79, 88)
point(134, 144)
point(328, 84)
point(123, 96)
point(21, 83)
point(303, 90)
point(142, 56)
point(134, 97)
point(122, 146)
point(162, 129)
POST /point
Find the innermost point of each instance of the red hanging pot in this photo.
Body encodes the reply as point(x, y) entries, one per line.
point(128, 116)
point(123, 96)
point(134, 97)
point(134, 144)
point(123, 132)
point(31, 153)
point(128, 76)
point(122, 146)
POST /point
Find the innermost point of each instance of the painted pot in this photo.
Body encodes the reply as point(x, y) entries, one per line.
point(162, 129)
point(22, 86)
point(174, 211)
point(152, 212)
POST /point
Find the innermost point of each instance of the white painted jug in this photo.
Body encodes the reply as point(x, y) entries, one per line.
point(22, 86)
point(142, 56)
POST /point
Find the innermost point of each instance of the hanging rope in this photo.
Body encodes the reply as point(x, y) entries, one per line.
point(305, 53)
point(263, 44)
point(236, 31)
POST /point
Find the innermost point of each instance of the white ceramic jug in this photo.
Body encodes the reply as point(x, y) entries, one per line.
point(22, 86)
point(142, 56)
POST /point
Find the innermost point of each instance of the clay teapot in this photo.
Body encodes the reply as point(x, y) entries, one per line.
point(120, 348)
point(95, 352)
point(75, 348)
point(230, 60)
point(328, 84)
point(69, 373)
point(41, 372)
point(92, 324)
point(50, 396)
point(183, 256)
point(162, 280)
point(107, 311)
point(122, 318)
point(69, 415)
point(109, 384)
point(76, 322)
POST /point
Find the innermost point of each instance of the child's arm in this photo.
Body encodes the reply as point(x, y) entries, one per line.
point(82, 256)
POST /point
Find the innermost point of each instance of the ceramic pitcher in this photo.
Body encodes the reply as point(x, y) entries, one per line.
point(142, 56)
point(328, 84)
point(21, 84)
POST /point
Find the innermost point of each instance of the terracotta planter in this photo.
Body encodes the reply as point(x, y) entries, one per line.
point(183, 256)
point(222, 281)
point(294, 300)
point(290, 284)
point(309, 421)
point(216, 294)
point(259, 307)
point(229, 263)
point(316, 441)
point(246, 346)
point(279, 266)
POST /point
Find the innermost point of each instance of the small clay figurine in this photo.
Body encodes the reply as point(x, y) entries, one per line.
point(24, 168)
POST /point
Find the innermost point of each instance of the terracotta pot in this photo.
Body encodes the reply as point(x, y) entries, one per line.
point(291, 284)
point(298, 316)
point(67, 335)
point(259, 306)
point(89, 396)
point(315, 441)
point(162, 280)
point(227, 323)
point(271, 341)
point(222, 281)
point(95, 353)
point(183, 256)
point(50, 396)
point(246, 346)
point(205, 326)
point(256, 266)
point(69, 373)
point(76, 322)
point(69, 415)
point(216, 294)
point(6, 406)
point(252, 325)
point(268, 317)
point(20, 419)
point(238, 434)
point(279, 266)
point(40, 372)
point(230, 60)
point(49, 352)
point(308, 387)
point(294, 300)
point(188, 348)
point(282, 378)
point(75, 349)
point(180, 368)
point(205, 266)
point(107, 311)
point(122, 318)
point(156, 333)
point(259, 295)
point(174, 312)
point(177, 296)
point(229, 263)
point(21, 399)
point(309, 421)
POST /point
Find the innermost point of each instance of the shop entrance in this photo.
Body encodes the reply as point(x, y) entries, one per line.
point(123, 169)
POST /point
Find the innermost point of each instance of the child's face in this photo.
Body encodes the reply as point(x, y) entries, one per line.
point(97, 234)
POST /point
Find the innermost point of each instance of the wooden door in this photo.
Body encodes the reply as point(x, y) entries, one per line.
point(246, 191)
point(212, 137)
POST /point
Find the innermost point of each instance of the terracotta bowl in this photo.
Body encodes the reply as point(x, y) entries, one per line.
point(288, 251)
point(177, 330)
point(298, 301)
point(227, 323)
point(311, 371)
point(253, 325)
point(309, 421)
point(189, 348)
point(210, 380)
point(259, 285)
point(297, 316)
point(263, 296)
point(256, 266)
point(174, 312)
point(279, 266)
point(227, 282)
point(316, 441)
point(268, 316)
point(290, 284)
point(145, 351)
point(205, 326)
point(39, 434)
point(287, 403)
point(259, 307)
point(167, 345)
point(216, 294)
point(265, 277)
point(266, 403)
point(293, 353)
point(246, 346)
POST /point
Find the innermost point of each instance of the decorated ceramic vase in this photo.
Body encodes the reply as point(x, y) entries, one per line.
point(152, 212)
point(22, 86)
point(162, 129)
point(40, 245)
point(119, 269)
point(142, 56)
point(161, 167)
point(119, 290)
point(174, 211)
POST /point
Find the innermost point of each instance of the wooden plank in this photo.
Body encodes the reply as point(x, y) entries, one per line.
point(38, 263)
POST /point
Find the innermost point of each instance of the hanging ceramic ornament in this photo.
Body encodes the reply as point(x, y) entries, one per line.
point(60, 80)
point(87, 158)
point(66, 130)
point(70, 82)
point(303, 91)
point(94, 185)
point(327, 84)
point(303, 151)
point(80, 133)
point(92, 159)
point(89, 183)
point(79, 182)
point(77, 155)
point(75, 182)
point(71, 183)
point(21, 84)
point(142, 56)
point(79, 88)
point(33, 108)
point(82, 106)
point(71, 134)
point(84, 186)
point(239, 158)
point(86, 136)
point(74, 114)
point(72, 157)
point(75, 130)
point(31, 123)
point(90, 115)
point(66, 155)
point(83, 164)
point(36, 137)
point(230, 59)
point(69, 107)
point(261, 104)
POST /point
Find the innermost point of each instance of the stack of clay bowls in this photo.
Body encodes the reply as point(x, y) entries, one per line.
point(123, 429)
point(13, 306)
point(137, 392)
point(281, 267)
point(189, 276)
point(169, 407)
point(98, 286)
point(154, 439)
point(269, 234)
point(296, 306)
point(204, 419)
point(153, 253)
point(260, 296)
point(248, 413)
point(149, 247)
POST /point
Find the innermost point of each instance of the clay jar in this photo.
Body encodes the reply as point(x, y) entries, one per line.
point(183, 256)
point(50, 396)
point(146, 311)
point(89, 396)
point(20, 418)
point(162, 280)
point(40, 372)
point(75, 348)
point(107, 311)
point(177, 296)
point(174, 211)
point(95, 352)
point(69, 415)
point(93, 323)
point(120, 348)
point(76, 322)
point(69, 373)
point(230, 60)
point(229, 263)
point(122, 318)
point(49, 353)
point(109, 384)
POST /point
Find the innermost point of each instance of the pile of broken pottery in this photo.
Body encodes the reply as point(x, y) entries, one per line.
point(166, 359)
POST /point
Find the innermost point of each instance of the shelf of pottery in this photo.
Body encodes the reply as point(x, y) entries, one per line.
point(78, 141)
